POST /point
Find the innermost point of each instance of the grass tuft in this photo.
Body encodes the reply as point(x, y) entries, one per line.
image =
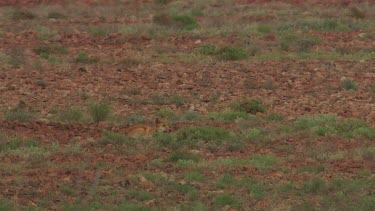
point(99, 111)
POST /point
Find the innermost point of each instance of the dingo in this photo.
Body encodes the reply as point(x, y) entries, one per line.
point(144, 130)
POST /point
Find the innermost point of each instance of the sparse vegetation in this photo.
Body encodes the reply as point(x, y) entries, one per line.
point(99, 111)
point(182, 22)
point(75, 76)
point(348, 84)
point(22, 14)
point(252, 106)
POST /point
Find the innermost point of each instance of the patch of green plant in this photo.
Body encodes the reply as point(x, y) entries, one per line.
point(246, 105)
point(183, 156)
point(19, 115)
point(287, 42)
point(16, 56)
point(225, 199)
point(305, 44)
point(185, 22)
point(275, 117)
point(194, 177)
point(141, 195)
point(225, 181)
point(284, 149)
point(315, 185)
point(209, 49)
point(45, 51)
point(99, 111)
point(291, 42)
point(6, 204)
point(135, 91)
point(183, 189)
point(117, 139)
point(72, 149)
point(70, 115)
point(311, 169)
point(228, 116)
point(29, 151)
point(46, 33)
point(22, 14)
point(67, 190)
point(202, 134)
point(41, 83)
point(232, 53)
point(162, 2)
point(324, 24)
point(330, 125)
point(348, 84)
point(258, 191)
point(56, 15)
point(135, 119)
point(182, 22)
point(119, 207)
point(194, 205)
point(103, 30)
point(13, 143)
point(159, 162)
point(264, 29)
point(372, 89)
point(254, 134)
point(305, 206)
point(84, 58)
point(165, 113)
point(197, 12)
point(263, 162)
point(190, 116)
point(167, 100)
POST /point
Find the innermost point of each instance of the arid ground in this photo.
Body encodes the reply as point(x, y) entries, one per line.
point(271, 104)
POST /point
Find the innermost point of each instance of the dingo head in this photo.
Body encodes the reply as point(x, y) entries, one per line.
point(162, 126)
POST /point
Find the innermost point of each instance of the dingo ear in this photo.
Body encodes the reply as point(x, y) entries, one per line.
point(157, 120)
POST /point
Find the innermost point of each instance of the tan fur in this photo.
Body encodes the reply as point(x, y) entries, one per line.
point(147, 131)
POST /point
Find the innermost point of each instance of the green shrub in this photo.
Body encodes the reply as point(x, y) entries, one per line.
point(182, 22)
point(83, 57)
point(197, 12)
point(225, 199)
point(19, 115)
point(194, 177)
point(304, 44)
point(99, 111)
point(56, 15)
point(252, 106)
point(117, 138)
point(228, 116)
point(103, 30)
point(41, 83)
point(232, 53)
point(22, 14)
point(70, 115)
point(209, 49)
point(316, 185)
point(264, 29)
point(177, 156)
point(372, 89)
point(348, 84)
point(329, 124)
point(190, 116)
point(185, 22)
point(13, 143)
point(46, 50)
point(202, 133)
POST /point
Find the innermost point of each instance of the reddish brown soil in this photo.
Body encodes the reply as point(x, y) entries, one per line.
point(303, 87)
